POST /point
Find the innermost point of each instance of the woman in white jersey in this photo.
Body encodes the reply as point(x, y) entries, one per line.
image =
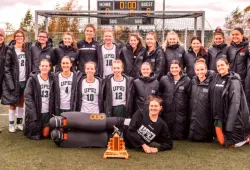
point(39, 102)
point(107, 53)
point(16, 73)
point(118, 92)
point(89, 91)
point(65, 87)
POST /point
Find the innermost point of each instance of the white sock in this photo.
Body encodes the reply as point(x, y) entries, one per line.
point(20, 112)
point(12, 116)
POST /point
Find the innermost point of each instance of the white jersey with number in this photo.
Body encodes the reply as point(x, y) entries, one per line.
point(90, 97)
point(65, 84)
point(45, 93)
point(22, 64)
point(118, 92)
point(109, 56)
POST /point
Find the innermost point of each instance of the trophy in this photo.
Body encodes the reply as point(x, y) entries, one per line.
point(116, 146)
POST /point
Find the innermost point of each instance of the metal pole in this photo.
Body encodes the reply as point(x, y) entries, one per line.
point(203, 29)
point(163, 22)
point(195, 26)
point(36, 24)
point(89, 10)
point(46, 24)
point(185, 39)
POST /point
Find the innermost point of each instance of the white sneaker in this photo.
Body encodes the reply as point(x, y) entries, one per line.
point(19, 127)
point(12, 129)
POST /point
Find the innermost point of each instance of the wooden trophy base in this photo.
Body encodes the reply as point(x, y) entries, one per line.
point(115, 154)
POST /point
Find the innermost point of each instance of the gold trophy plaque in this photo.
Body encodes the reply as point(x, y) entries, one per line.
point(116, 146)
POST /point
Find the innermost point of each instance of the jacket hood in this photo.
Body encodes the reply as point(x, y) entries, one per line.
point(49, 44)
point(173, 46)
point(234, 75)
point(154, 51)
point(209, 76)
point(202, 51)
point(148, 79)
point(172, 77)
point(64, 47)
point(220, 46)
point(243, 43)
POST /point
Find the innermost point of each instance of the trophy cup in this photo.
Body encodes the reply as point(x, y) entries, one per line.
point(116, 146)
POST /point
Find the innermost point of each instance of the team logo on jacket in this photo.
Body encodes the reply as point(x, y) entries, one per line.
point(93, 45)
point(145, 133)
point(205, 90)
point(181, 88)
point(153, 91)
point(242, 52)
point(47, 56)
point(152, 60)
point(180, 55)
point(134, 56)
point(72, 59)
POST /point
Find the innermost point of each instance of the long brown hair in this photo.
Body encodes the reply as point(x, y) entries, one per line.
point(22, 32)
point(138, 37)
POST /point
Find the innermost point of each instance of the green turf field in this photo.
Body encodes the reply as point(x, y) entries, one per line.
point(18, 152)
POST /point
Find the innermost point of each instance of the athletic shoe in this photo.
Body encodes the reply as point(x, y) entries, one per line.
point(19, 127)
point(12, 129)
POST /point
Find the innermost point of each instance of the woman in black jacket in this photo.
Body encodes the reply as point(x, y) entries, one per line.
point(154, 55)
point(132, 55)
point(16, 73)
point(89, 91)
point(229, 107)
point(146, 85)
point(87, 47)
point(65, 84)
point(39, 102)
point(3, 50)
point(201, 118)
point(147, 127)
point(238, 54)
point(172, 50)
point(175, 89)
point(218, 49)
point(195, 52)
point(67, 47)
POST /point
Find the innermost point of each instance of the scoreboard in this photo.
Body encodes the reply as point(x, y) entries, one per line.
point(126, 5)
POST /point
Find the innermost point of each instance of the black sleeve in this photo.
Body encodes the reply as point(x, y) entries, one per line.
point(30, 106)
point(234, 103)
point(164, 139)
point(8, 70)
point(160, 63)
point(132, 136)
point(53, 57)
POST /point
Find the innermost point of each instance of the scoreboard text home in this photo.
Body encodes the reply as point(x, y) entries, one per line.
point(126, 5)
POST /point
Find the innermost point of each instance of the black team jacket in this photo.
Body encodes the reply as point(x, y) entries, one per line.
point(57, 92)
point(157, 60)
point(3, 51)
point(62, 51)
point(33, 105)
point(235, 113)
point(190, 58)
point(79, 93)
point(142, 130)
point(132, 60)
point(108, 95)
point(173, 52)
point(215, 53)
point(10, 94)
point(37, 54)
point(144, 87)
point(201, 118)
point(175, 104)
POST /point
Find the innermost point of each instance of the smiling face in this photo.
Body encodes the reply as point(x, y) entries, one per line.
point(222, 67)
point(196, 45)
point(108, 37)
point(44, 67)
point(67, 40)
point(200, 70)
point(218, 39)
point(146, 70)
point(117, 69)
point(150, 40)
point(175, 69)
point(133, 41)
point(42, 38)
point(66, 64)
point(89, 33)
point(154, 108)
point(90, 69)
point(172, 39)
point(19, 38)
point(237, 37)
